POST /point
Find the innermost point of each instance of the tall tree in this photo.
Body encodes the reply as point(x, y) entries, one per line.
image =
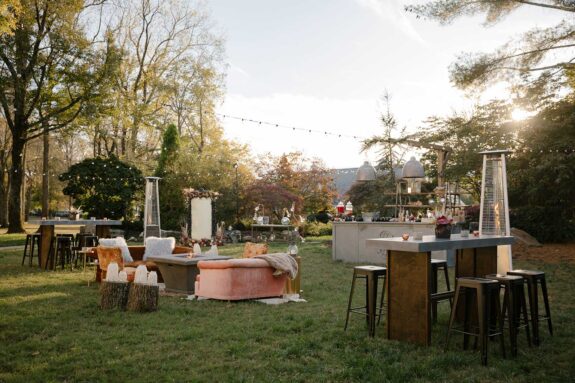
point(486, 127)
point(9, 10)
point(4, 171)
point(155, 36)
point(538, 52)
point(48, 41)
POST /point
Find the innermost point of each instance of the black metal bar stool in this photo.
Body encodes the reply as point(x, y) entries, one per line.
point(515, 304)
point(436, 265)
point(371, 274)
point(486, 293)
point(534, 278)
point(32, 242)
point(60, 250)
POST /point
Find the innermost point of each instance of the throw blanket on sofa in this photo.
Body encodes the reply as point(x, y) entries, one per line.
point(282, 262)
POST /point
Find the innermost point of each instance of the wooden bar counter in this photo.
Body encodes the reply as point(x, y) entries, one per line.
point(409, 283)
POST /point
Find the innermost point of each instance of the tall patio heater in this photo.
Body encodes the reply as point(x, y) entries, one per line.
point(494, 213)
point(152, 208)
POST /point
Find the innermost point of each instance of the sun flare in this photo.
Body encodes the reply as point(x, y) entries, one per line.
point(520, 114)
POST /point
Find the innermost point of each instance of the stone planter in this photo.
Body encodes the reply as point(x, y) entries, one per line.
point(368, 216)
point(443, 231)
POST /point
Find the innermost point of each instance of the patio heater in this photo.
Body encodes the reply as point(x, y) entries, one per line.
point(494, 208)
point(152, 208)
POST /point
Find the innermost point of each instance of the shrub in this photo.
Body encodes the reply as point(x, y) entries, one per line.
point(316, 229)
point(547, 224)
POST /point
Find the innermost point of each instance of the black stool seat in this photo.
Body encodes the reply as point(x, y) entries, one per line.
point(526, 273)
point(371, 274)
point(486, 292)
point(514, 302)
point(535, 278)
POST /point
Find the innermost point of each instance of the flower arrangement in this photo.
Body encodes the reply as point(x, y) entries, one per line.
point(190, 194)
point(443, 227)
point(443, 220)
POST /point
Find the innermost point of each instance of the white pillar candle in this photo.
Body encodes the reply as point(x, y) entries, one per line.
point(112, 273)
point(123, 276)
point(141, 274)
point(152, 278)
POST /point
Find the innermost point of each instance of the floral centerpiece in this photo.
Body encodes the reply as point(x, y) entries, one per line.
point(443, 227)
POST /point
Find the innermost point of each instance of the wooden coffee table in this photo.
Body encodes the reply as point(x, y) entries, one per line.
point(179, 272)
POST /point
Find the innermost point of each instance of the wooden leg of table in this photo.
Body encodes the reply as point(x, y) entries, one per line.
point(47, 235)
point(474, 263)
point(408, 303)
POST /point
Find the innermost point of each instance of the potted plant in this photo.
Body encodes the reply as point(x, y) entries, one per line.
point(443, 227)
point(369, 212)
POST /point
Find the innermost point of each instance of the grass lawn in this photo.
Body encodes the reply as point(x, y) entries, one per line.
point(51, 329)
point(12, 239)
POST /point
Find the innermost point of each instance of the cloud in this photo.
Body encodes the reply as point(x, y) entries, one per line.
point(392, 11)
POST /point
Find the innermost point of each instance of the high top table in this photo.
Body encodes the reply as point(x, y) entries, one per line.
point(47, 230)
point(409, 277)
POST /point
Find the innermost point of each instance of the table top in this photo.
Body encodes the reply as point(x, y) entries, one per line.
point(182, 259)
point(430, 243)
point(271, 225)
point(81, 222)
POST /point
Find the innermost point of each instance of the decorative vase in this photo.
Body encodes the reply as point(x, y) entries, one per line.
point(443, 231)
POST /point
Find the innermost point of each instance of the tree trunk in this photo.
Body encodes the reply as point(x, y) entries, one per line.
point(16, 180)
point(45, 173)
point(4, 187)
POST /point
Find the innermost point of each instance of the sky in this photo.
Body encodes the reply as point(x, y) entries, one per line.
point(324, 65)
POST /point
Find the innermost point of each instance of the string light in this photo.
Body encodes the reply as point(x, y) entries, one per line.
point(292, 128)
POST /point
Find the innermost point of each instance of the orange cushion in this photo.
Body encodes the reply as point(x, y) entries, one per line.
point(253, 249)
point(107, 255)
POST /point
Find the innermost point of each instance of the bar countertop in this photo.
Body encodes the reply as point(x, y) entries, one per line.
point(430, 243)
point(57, 222)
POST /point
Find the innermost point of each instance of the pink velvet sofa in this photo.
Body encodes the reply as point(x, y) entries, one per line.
point(237, 279)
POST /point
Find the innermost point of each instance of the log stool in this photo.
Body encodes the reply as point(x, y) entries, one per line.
point(436, 265)
point(32, 242)
point(513, 302)
point(371, 274)
point(534, 278)
point(486, 293)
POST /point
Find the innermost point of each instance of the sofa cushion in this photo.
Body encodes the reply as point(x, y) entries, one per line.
point(118, 242)
point(159, 246)
point(233, 263)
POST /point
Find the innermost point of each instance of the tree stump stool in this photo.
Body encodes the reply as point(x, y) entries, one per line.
point(114, 295)
point(143, 298)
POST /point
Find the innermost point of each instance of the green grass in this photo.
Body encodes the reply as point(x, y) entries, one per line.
point(12, 239)
point(51, 329)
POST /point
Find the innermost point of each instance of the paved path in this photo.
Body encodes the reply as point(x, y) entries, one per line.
point(11, 248)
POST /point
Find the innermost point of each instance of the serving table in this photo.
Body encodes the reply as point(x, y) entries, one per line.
point(47, 231)
point(271, 227)
point(179, 272)
point(409, 277)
